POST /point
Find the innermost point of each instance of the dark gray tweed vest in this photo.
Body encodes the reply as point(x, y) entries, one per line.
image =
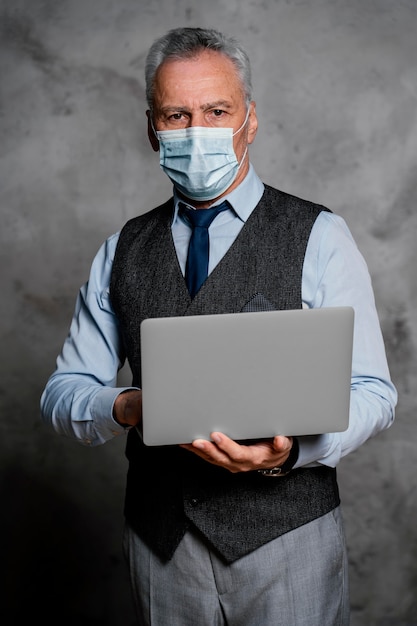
point(170, 489)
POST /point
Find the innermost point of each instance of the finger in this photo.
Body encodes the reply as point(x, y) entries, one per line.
point(243, 457)
point(209, 451)
point(282, 444)
point(229, 446)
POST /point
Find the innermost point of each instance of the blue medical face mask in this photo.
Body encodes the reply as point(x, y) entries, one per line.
point(200, 161)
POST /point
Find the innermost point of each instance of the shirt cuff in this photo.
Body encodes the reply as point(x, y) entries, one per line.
point(316, 450)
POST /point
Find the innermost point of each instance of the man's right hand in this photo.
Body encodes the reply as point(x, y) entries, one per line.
point(127, 409)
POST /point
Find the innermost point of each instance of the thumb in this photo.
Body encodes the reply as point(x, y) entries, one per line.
point(282, 444)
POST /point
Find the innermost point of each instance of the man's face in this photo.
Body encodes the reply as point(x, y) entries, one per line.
point(203, 91)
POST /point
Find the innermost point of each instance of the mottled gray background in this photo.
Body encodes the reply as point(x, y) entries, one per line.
point(336, 89)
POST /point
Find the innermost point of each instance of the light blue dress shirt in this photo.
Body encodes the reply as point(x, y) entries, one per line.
point(79, 396)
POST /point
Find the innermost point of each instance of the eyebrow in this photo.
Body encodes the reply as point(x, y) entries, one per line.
point(219, 104)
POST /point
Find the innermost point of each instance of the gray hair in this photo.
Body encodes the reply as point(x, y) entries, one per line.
point(182, 43)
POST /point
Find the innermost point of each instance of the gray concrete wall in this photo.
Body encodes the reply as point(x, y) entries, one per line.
point(336, 88)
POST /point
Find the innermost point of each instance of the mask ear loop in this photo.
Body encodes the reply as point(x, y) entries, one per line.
point(244, 123)
point(153, 128)
point(238, 131)
point(243, 157)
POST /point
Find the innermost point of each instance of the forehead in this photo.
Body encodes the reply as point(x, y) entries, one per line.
point(210, 76)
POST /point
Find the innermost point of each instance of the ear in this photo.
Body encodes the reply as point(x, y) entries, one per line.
point(151, 133)
point(252, 122)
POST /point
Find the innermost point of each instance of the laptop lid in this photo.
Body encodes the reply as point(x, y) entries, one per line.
point(248, 375)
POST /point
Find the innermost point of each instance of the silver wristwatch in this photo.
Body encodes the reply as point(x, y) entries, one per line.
point(286, 467)
point(274, 471)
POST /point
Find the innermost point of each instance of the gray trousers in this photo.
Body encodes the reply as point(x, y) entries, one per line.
point(298, 579)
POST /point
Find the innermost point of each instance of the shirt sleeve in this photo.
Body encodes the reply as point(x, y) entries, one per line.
point(335, 274)
point(79, 396)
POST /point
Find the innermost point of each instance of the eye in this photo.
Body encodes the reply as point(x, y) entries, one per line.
point(178, 119)
point(216, 117)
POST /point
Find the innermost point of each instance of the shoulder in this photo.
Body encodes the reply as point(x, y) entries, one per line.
point(140, 230)
point(156, 215)
point(277, 197)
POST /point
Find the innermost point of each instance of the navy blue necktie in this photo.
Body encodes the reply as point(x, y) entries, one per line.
point(196, 269)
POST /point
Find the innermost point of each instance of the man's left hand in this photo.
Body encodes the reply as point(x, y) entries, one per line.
point(225, 452)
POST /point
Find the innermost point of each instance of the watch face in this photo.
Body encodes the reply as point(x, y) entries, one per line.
point(274, 471)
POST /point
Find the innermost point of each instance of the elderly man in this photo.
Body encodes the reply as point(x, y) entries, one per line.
point(218, 532)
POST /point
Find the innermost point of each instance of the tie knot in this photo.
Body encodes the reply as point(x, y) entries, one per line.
point(202, 218)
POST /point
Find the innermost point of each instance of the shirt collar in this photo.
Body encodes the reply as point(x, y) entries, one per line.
point(243, 198)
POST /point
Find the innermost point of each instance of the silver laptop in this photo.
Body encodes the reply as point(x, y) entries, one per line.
point(248, 375)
